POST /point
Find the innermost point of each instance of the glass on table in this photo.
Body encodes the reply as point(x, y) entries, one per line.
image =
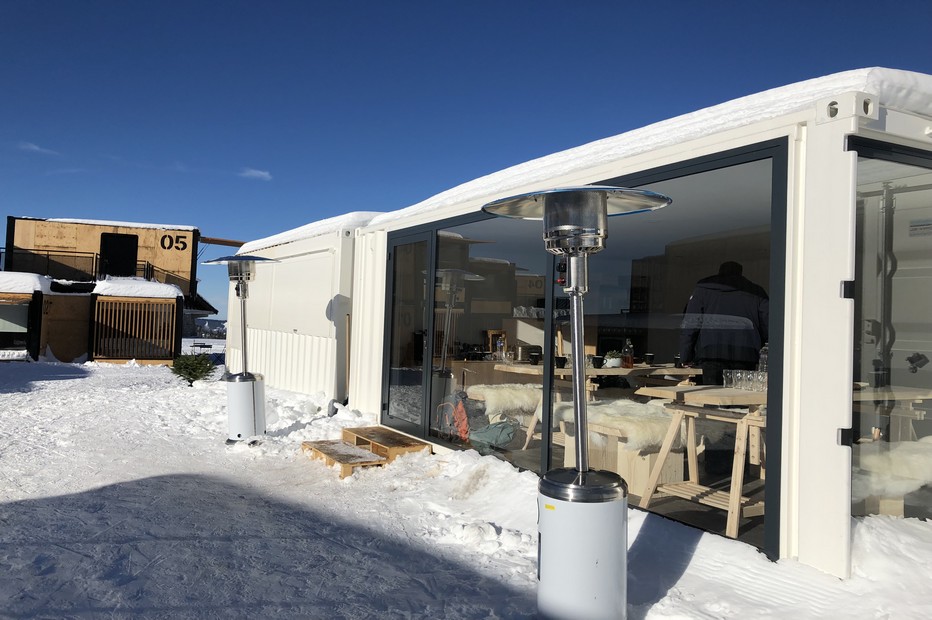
point(741, 379)
point(760, 382)
point(728, 377)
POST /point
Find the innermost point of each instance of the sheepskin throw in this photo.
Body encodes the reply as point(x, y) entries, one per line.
point(891, 469)
point(520, 398)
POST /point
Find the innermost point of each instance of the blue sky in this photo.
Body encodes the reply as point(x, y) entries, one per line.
point(246, 119)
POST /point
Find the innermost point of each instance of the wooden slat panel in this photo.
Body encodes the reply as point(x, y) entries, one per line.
point(134, 328)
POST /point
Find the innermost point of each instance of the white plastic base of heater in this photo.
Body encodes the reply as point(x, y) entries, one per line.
point(582, 564)
point(245, 409)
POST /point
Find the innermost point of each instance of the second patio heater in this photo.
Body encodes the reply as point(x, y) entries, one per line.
point(452, 281)
point(582, 513)
point(245, 390)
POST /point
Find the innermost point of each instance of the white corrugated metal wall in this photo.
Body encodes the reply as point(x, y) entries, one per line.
point(289, 361)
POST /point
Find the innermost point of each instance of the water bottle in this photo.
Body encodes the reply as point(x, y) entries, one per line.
point(762, 360)
point(500, 349)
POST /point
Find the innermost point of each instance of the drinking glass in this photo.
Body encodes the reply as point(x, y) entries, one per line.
point(728, 378)
point(741, 379)
point(761, 383)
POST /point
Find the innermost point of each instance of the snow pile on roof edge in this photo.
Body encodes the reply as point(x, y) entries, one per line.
point(66, 220)
point(19, 282)
point(348, 221)
point(136, 287)
point(896, 89)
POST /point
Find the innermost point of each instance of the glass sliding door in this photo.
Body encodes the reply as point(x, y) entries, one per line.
point(892, 378)
point(720, 243)
point(404, 404)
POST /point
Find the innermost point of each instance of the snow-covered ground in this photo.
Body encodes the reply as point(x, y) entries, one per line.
point(119, 499)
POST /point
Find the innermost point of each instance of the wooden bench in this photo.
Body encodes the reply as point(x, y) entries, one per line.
point(733, 502)
point(611, 454)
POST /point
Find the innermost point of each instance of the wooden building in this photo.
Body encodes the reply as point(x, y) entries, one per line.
point(112, 290)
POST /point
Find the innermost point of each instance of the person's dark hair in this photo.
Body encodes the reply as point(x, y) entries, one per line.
point(730, 268)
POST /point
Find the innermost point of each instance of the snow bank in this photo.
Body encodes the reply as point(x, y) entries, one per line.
point(121, 500)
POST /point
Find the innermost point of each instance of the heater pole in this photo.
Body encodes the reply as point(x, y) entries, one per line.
point(241, 293)
point(577, 267)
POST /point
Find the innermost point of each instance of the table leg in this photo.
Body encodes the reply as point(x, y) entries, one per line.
point(672, 432)
point(737, 479)
point(691, 455)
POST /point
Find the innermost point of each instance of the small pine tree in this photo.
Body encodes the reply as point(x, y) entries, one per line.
point(193, 367)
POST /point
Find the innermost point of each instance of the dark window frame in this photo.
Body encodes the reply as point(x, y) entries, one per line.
point(776, 150)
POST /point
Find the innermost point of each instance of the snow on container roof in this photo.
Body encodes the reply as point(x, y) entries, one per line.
point(348, 221)
point(136, 287)
point(894, 89)
point(18, 282)
point(68, 220)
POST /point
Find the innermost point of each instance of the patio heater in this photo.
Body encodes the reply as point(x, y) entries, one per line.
point(582, 513)
point(245, 390)
point(452, 281)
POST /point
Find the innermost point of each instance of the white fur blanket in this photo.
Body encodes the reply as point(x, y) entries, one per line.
point(644, 425)
point(520, 398)
point(891, 469)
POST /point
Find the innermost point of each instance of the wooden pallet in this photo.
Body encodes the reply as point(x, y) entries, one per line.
point(346, 455)
point(383, 441)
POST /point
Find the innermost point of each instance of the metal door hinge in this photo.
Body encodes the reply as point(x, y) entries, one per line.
point(846, 437)
point(847, 289)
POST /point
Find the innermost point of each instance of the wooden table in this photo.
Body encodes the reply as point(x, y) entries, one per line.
point(639, 374)
point(639, 370)
point(892, 392)
point(705, 402)
point(889, 402)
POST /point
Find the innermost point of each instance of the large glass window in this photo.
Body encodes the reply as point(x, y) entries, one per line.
point(495, 335)
point(892, 377)
point(712, 244)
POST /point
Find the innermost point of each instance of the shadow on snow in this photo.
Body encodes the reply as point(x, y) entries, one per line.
point(194, 546)
point(20, 376)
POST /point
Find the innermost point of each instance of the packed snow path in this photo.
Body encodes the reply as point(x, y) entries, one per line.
point(119, 499)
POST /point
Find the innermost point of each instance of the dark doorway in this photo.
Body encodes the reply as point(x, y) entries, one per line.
point(118, 254)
